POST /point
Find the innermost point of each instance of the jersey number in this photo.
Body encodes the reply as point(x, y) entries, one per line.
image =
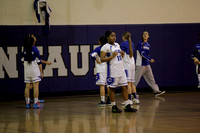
point(119, 57)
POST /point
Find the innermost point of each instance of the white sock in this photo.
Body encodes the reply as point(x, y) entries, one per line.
point(35, 100)
point(103, 98)
point(27, 100)
point(113, 103)
point(127, 102)
point(199, 78)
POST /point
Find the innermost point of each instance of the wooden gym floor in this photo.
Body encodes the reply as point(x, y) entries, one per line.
point(172, 113)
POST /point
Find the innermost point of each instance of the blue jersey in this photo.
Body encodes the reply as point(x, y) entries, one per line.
point(196, 52)
point(100, 68)
point(35, 54)
point(125, 47)
point(96, 53)
point(143, 54)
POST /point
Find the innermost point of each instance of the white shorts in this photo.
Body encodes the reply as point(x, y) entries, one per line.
point(101, 79)
point(114, 82)
point(32, 79)
point(130, 75)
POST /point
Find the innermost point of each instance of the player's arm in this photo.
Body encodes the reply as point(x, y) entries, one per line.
point(195, 55)
point(46, 62)
point(143, 54)
point(106, 59)
point(196, 61)
point(122, 53)
point(98, 61)
point(130, 47)
point(40, 67)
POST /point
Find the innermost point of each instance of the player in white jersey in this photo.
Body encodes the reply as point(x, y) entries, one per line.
point(32, 70)
point(101, 73)
point(112, 54)
point(129, 64)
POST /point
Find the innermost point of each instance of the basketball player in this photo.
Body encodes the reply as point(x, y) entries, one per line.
point(196, 57)
point(101, 73)
point(143, 67)
point(32, 70)
point(112, 54)
point(129, 65)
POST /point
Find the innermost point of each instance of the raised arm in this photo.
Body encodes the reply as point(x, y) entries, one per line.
point(130, 47)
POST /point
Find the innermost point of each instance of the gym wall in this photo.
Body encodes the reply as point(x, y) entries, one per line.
point(75, 27)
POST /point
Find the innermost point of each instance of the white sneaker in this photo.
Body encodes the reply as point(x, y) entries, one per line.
point(136, 101)
point(199, 86)
point(130, 102)
point(159, 93)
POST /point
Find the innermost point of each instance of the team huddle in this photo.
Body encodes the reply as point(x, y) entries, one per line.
point(116, 67)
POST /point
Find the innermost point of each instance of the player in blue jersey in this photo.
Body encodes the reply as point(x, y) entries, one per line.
point(32, 70)
point(112, 54)
point(143, 67)
point(101, 73)
point(129, 65)
point(196, 58)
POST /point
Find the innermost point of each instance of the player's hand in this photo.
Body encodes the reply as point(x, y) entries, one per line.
point(196, 62)
point(152, 60)
point(122, 53)
point(48, 63)
point(115, 54)
point(42, 75)
point(98, 62)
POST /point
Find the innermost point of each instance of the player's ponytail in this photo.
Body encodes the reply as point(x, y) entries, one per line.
point(28, 48)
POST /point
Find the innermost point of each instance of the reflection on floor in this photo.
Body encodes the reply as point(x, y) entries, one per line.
point(172, 113)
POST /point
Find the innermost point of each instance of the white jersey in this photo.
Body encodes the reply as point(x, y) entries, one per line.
point(129, 63)
point(115, 67)
point(32, 69)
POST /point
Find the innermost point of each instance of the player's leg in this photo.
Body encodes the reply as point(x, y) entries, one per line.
point(127, 107)
point(27, 94)
point(101, 81)
point(138, 74)
point(36, 95)
point(129, 91)
point(198, 74)
point(113, 103)
point(148, 76)
point(102, 95)
point(124, 85)
point(112, 83)
point(129, 79)
point(134, 93)
point(108, 102)
point(135, 98)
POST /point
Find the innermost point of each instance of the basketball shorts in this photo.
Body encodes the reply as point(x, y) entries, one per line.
point(101, 79)
point(114, 82)
point(32, 79)
point(130, 75)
